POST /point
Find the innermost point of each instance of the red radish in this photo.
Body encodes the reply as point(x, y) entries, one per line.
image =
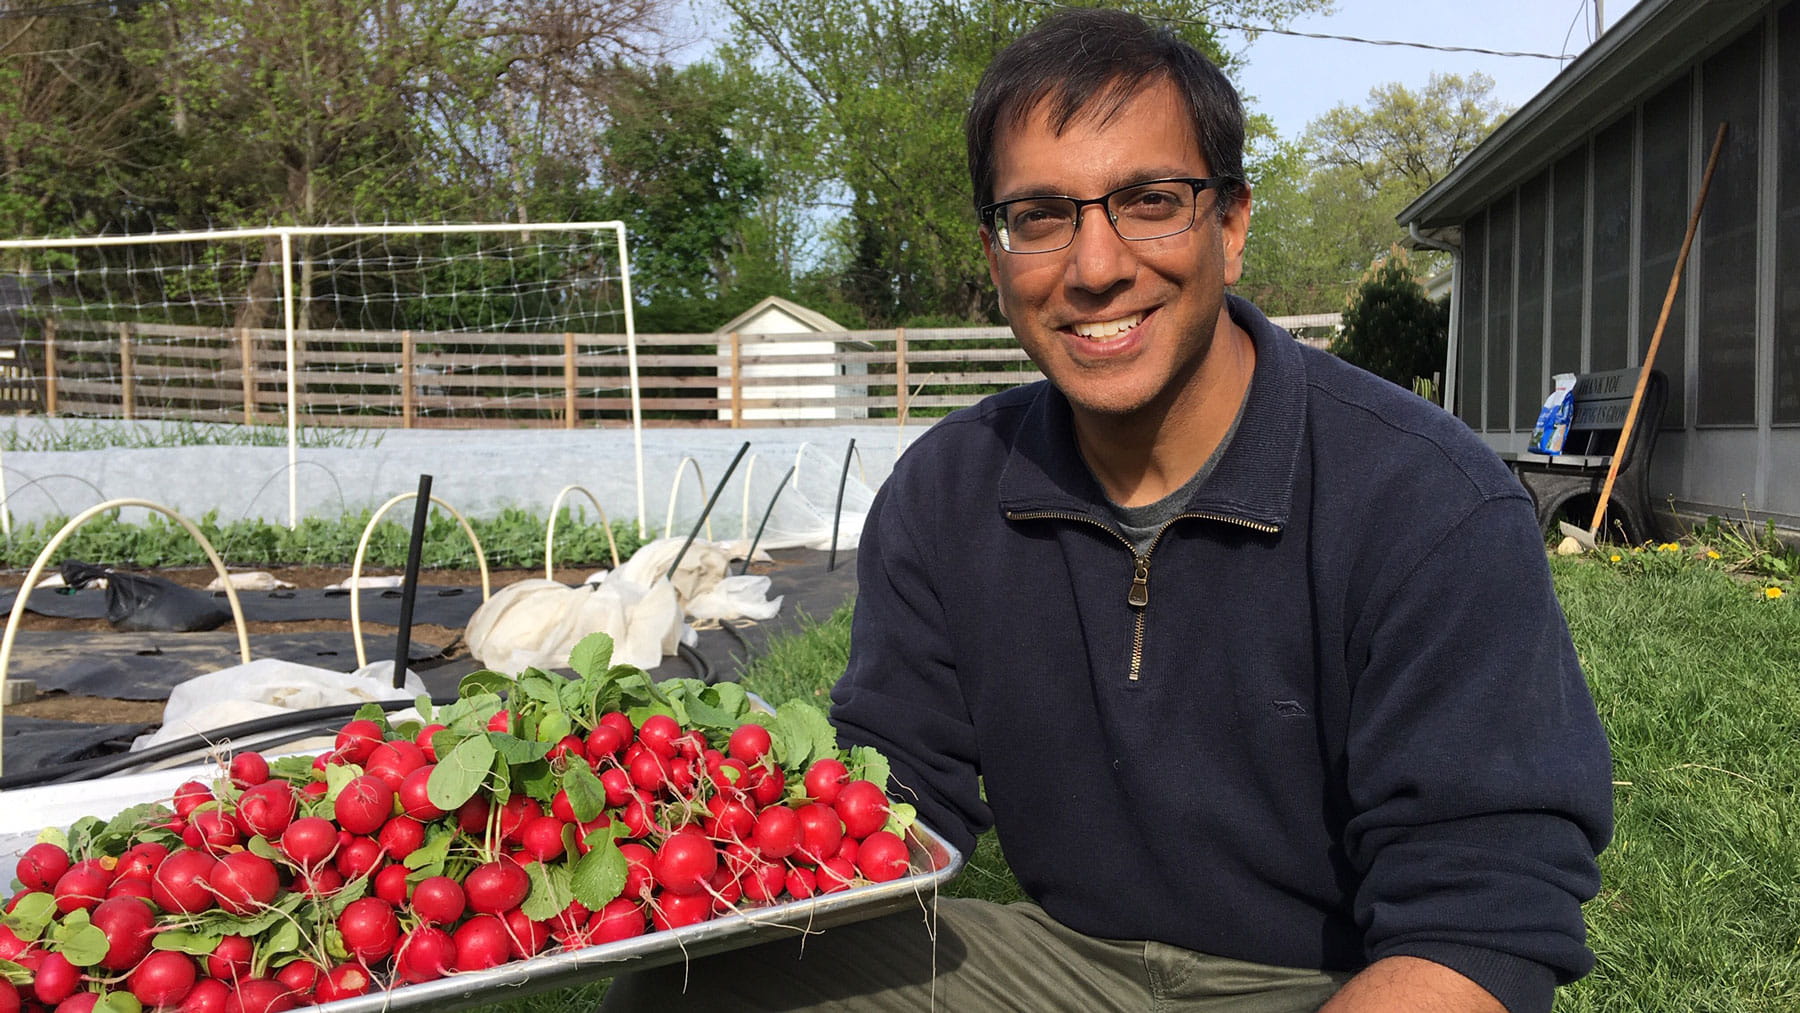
point(602, 742)
point(636, 817)
point(10, 945)
point(401, 836)
point(319, 883)
point(542, 838)
point(562, 808)
point(617, 784)
point(414, 799)
point(392, 761)
point(658, 733)
point(357, 858)
point(424, 954)
point(9, 997)
point(41, 866)
point(863, 806)
point(344, 981)
point(163, 979)
point(215, 831)
point(764, 881)
point(391, 885)
point(730, 776)
point(569, 746)
point(80, 1002)
point(569, 927)
point(364, 804)
point(249, 769)
point(309, 841)
point(825, 778)
point(127, 923)
point(500, 722)
point(777, 832)
point(481, 943)
point(299, 977)
point(129, 886)
point(526, 937)
point(244, 882)
point(513, 814)
point(820, 831)
point(83, 886)
point(730, 821)
point(190, 796)
point(769, 787)
point(56, 979)
point(801, 883)
point(230, 959)
point(472, 816)
point(438, 900)
point(638, 876)
point(208, 995)
point(673, 910)
point(140, 860)
point(180, 882)
point(357, 739)
point(685, 862)
point(582, 830)
point(619, 919)
point(748, 742)
point(882, 857)
point(834, 874)
point(847, 849)
point(259, 995)
point(725, 889)
point(496, 887)
point(423, 741)
point(369, 928)
point(267, 809)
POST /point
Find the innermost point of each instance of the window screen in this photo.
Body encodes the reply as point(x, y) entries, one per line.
point(1533, 385)
point(1471, 336)
point(1568, 236)
point(1500, 313)
point(1787, 220)
point(1731, 85)
point(1609, 302)
point(1666, 207)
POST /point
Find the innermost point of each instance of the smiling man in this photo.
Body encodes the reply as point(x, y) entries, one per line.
point(1250, 658)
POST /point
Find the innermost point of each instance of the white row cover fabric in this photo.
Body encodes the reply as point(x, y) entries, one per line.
point(270, 686)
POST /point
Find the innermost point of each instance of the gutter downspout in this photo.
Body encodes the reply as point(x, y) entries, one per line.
point(1452, 347)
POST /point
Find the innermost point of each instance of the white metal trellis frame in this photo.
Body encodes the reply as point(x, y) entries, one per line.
point(286, 236)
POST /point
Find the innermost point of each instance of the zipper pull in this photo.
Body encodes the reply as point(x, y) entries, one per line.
point(1140, 584)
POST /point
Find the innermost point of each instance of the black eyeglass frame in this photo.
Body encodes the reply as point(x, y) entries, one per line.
point(989, 212)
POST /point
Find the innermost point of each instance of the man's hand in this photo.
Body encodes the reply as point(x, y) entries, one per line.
point(1411, 985)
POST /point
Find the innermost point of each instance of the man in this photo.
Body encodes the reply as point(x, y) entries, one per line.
point(1251, 658)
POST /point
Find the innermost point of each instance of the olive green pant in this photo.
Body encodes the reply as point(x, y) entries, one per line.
point(986, 957)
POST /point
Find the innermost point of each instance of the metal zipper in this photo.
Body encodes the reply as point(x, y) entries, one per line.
point(1138, 597)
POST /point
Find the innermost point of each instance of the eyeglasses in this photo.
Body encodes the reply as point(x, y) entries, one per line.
point(1155, 209)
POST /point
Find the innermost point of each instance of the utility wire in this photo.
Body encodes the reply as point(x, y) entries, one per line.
point(1257, 29)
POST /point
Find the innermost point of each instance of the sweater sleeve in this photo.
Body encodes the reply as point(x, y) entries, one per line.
point(900, 692)
point(1479, 773)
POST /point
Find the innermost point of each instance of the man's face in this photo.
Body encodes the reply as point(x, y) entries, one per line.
point(1119, 326)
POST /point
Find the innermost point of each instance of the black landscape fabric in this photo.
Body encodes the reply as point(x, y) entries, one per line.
point(435, 606)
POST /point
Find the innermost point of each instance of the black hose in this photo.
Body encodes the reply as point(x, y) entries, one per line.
point(765, 521)
point(82, 770)
point(837, 512)
point(703, 669)
point(409, 585)
point(704, 514)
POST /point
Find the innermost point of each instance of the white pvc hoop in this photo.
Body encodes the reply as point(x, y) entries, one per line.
point(362, 545)
point(744, 519)
point(674, 494)
point(550, 529)
point(37, 570)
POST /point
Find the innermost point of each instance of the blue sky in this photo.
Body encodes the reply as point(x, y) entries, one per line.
point(1294, 80)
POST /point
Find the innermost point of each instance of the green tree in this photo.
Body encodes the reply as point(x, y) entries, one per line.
point(1391, 328)
point(880, 89)
point(1325, 206)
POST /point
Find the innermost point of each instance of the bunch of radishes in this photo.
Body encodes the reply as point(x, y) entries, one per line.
point(569, 813)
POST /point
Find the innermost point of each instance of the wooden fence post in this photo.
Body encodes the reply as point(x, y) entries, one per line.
point(406, 380)
point(568, 380)
point(900, 375)
point(247, 355)
point(127, 392)
point(50, 366)
point(737, 382)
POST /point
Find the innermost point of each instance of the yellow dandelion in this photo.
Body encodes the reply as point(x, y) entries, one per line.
point(1772, 592)
point(1712, 553)
point(1615, 557)
point(1668, 547)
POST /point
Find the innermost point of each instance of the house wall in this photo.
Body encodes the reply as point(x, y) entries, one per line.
point(1568, 272)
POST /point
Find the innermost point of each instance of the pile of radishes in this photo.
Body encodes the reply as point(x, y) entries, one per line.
point(566, 813)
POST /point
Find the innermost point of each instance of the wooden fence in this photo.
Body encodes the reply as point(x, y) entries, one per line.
point(136, 370)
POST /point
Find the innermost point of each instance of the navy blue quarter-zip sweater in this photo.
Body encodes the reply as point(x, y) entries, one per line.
point(1331, 715)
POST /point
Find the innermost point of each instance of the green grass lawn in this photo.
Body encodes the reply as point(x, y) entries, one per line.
point(1696, 673)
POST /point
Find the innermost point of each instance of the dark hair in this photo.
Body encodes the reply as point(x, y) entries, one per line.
point(1094, 61)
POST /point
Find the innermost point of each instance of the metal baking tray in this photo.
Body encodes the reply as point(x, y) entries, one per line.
point(935, 861)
